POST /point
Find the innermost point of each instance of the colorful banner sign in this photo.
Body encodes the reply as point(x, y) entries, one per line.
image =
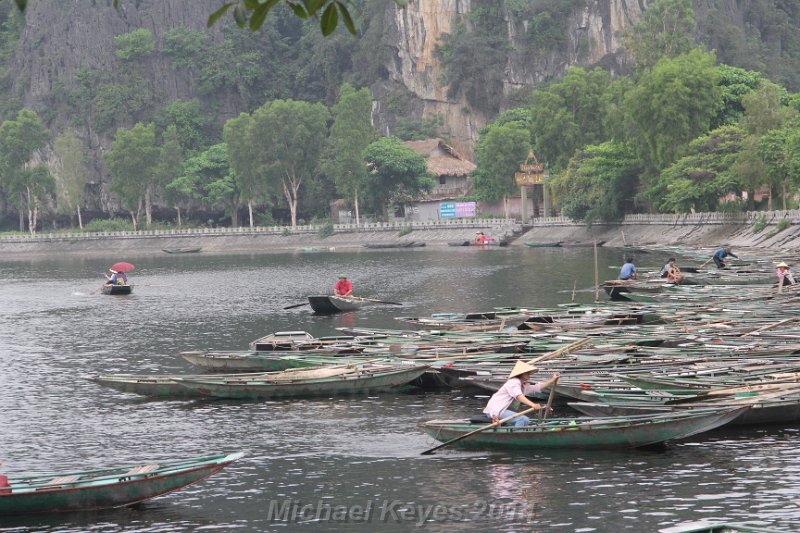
point(457, 210)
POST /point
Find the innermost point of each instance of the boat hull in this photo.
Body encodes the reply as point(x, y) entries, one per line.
point(342, 385)
point(250, 362)
point(105, 489)
point(116, 289)
point(328, 305)
point(585, 434)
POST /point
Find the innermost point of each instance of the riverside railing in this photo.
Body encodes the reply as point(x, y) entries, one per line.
point(266, 230)
point(687, 219)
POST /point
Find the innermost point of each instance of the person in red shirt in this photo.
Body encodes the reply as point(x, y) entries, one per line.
point(343, 287)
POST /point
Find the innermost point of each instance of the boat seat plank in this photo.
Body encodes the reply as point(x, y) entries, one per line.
point(143, 469)
point(61, 480)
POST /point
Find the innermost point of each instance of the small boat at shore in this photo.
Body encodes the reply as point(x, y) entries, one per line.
point(116, 289)
point(187, 250)
point(404, 244)
point(92, 490)
point(555, 244)
point(584, 433)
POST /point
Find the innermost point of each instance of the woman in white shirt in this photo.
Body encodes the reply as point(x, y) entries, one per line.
point(516, 388)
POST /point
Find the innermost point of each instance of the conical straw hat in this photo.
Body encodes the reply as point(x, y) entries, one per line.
point(782, 265)
point(520, 368)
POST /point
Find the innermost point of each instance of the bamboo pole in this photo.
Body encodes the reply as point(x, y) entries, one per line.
point(596, 276)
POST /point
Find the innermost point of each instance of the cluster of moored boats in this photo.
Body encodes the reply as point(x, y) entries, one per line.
point(633, 374)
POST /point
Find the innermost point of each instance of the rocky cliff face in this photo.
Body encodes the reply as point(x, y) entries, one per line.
point(593, 39)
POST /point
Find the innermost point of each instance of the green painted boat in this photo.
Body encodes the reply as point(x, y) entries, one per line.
point(106, 488)
point(705, 526)
point(154, 385)
point(584, 433)
point(249, 361)
point(352, 380)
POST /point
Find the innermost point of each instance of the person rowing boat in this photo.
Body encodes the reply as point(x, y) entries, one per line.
point(516, 388)
point(343, 287)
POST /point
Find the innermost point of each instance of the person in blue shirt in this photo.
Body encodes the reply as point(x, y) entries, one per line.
point(720, 255)
point(628, 270)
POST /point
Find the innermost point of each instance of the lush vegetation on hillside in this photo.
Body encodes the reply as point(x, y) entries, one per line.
point(682, 131)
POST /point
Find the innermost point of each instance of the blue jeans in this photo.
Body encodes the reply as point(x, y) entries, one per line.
point(520, 421)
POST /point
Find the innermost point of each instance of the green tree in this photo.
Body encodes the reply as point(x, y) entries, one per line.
point(170, 162)
point(397, 173)
point(351, 133)
point(294, 133)
point(243, 159)
point(19, 139)
point(671, 105)
point(191, 124)
point(598, 183)
point(764, 111)
point(72, 175)
point(707, 173)
point(36, 185)
point(778, 150)
point(209, 176)
point(184, 46)
point(500, 151)
point(568, 114)
point(665, 30)
point(736, 83)
point(132, 163)
point(135, 45)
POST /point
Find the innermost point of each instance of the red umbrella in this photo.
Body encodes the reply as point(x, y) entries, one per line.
point(122, 267)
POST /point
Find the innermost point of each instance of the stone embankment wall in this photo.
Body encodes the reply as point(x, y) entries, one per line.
point(262, 239)
point(700, 229)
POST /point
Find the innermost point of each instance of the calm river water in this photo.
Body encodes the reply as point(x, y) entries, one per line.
point(353, 461)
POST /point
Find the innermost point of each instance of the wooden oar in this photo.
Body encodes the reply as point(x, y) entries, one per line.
point(95, 291)
point(484, 428)
point(543, 416)
point(295, 305)
point(569, 348)
point(376, 301)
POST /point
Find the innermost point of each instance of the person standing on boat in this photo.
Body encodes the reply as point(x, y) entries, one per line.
point(720, 255)
point(782, 271)
point(628, 270)
point(516, 388)
point(343, 287)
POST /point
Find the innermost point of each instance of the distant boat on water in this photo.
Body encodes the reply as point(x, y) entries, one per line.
point(186, 250)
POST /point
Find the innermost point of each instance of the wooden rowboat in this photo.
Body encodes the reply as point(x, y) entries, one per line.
point(328, 305)
point(116, 289)
point(585, 433)
point(181, 250)
point(705, 526)
point(106, 488)
point(332, 381)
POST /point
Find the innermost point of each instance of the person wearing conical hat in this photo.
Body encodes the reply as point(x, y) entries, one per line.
point(782, 271)
point(516, 388)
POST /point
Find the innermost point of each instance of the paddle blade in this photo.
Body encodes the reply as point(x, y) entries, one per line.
point(295, 305)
